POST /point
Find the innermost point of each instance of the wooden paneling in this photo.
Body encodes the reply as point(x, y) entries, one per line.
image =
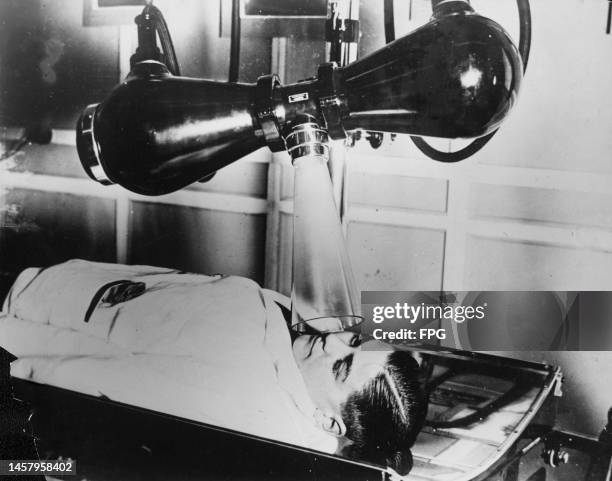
point(396, 258)
point(45, 228)
point(54, 160)
point(247, 176)
point(397, 191)
point(554, 206)
point(495, 264)
point(197, 240)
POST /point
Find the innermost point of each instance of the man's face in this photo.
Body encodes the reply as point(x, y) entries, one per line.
point(334, 366)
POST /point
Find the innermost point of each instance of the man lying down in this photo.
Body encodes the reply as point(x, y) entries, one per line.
point(212, 349)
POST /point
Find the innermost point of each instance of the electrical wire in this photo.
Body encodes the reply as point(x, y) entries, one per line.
point(165, 39)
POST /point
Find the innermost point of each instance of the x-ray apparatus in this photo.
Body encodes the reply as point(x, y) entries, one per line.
point(457, 76)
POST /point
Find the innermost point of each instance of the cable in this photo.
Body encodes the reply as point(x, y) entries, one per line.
point(524, 49)
point(165, 39)
point(525, 31)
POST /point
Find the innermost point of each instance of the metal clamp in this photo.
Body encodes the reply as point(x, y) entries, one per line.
point(331, 100)
point(346, 30)
point(307, 139)
point(264, 106)
point(89, 151)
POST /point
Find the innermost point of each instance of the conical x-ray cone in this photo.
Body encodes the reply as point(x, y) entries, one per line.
point(324, 292)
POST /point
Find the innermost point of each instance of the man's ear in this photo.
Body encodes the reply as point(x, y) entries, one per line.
point(330, 423)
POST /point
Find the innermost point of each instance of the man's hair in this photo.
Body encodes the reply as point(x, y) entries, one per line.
point(384, 418)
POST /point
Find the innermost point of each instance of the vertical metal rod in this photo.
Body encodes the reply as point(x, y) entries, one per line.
point(337, 157)
point(122, 228)
point(235, 42)
point(126, 48)
point(272, 277)
point(389, 21)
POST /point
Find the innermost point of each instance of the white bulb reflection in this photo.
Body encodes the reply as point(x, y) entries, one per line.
point(470, 78)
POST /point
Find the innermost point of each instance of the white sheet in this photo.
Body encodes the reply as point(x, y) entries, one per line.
point(212, 349)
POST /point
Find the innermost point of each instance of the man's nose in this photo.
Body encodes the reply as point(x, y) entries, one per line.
point(341, 342)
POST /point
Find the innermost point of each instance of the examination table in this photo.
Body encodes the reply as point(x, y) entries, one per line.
point(484, 414)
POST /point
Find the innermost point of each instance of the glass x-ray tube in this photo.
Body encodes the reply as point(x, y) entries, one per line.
point(324, 292)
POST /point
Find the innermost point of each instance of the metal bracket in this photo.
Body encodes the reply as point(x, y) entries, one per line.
point(344, 30)
point(264, 105)
point(558, 388)
point(331, 100)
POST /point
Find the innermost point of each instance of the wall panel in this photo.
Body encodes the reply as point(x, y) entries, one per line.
point(542, 205)
point(197, 240)
point(496, 264)
point(397, 191)
point(52, 159)
point(45, 228)
point(396, 258)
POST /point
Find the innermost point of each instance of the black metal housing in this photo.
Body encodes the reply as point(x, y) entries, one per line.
point(457, 76)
